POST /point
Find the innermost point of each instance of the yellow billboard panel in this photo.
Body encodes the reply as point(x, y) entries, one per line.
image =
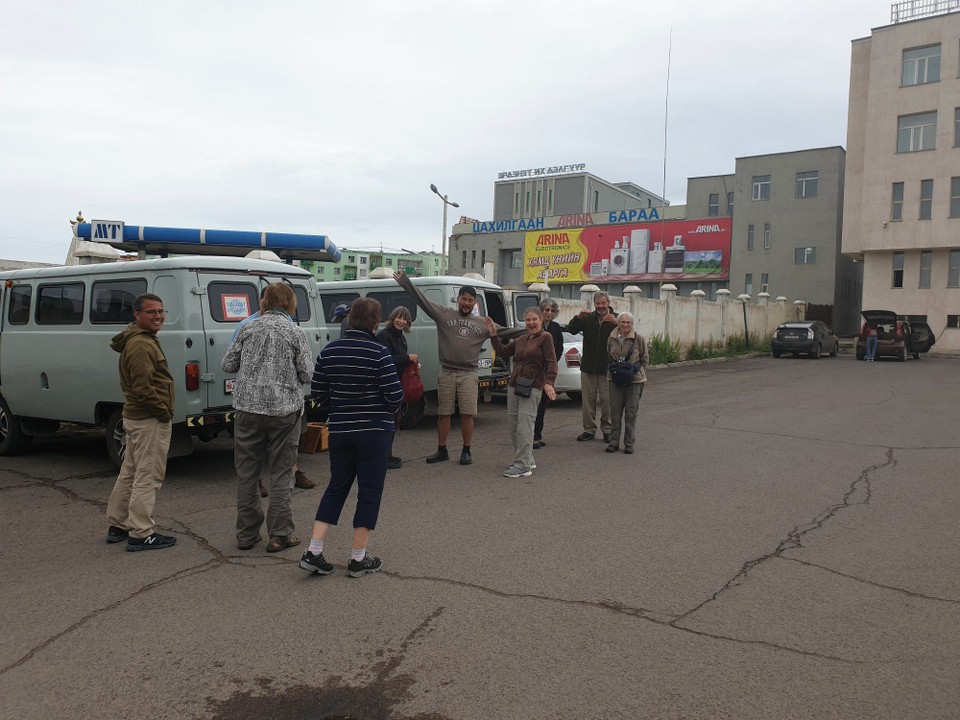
point(555, 254)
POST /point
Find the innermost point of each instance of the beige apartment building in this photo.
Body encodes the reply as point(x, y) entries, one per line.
point(902, 189)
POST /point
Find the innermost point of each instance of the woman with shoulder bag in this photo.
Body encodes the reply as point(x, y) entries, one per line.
point(534, 372)
point(392, 338)
point(627, 352)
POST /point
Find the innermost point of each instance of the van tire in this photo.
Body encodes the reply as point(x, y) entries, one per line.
point(13, 440)
point(411, 414)
point(116, 437)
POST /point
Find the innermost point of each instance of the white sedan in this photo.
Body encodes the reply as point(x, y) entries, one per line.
point(568, 375)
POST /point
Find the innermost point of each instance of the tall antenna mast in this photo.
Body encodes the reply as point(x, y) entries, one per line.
point(666, 114)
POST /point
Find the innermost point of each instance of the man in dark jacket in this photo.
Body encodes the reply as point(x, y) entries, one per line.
point(596, 328)
point(147, 414)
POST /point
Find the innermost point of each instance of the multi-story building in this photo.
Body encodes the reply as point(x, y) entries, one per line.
point(787, 211)
point(902, 212)
point(357, 264)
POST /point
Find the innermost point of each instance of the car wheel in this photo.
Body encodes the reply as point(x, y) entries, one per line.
point(576, 396)
point(836, 348)
point(816, 354)
point(13, 440)
point(903, 354)
point(775, 353)
point(411, 414)
point(116, 437)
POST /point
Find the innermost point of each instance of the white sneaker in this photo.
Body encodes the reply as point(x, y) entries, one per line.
point(515, 472)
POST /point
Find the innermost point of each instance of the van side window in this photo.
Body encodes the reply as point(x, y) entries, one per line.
point(60, 304)
point(231, 302)
point(330, 302)
point(111, 301)
point(19, 311)
point(303, 304)
point(390, 301)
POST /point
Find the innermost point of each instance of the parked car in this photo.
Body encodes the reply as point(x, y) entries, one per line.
point(811, 337)
point(568, 367)
point(896, 337)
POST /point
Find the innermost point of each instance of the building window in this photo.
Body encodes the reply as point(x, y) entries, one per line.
point(926, 263)
point(730, 204)
point(473, 259)
point(483, 258)
point(956, 127)
point(953, 269)
point(955, 197)
point(748, 284)
point(926, 199)
point(897, 270)
point(805, 256)
point(766, 236)
point(713, 206)
point(953, 321)
point(550, 202)
point(764, 282)
point(351, 259)
point(807, 184)
point(516, 203)
point(363, 260)
point(336, 271)
point(596, 201)
point(921, 66)
point(749, 237)
point(761, 186)
point(917, 132)
point(516, 259)
point(463, 264)
point(528, 201)
point(896, 204)
point(539, 196)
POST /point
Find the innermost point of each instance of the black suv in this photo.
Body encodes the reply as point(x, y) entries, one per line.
point(896, 336)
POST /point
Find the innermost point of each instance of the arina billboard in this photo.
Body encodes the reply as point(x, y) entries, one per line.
point(634, 252)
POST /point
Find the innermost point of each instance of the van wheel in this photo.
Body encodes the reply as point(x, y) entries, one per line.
point(13, 440)
point(903, 354)
point(411, 414)
point(116, 437)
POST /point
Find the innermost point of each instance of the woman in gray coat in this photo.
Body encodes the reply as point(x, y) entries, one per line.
point(627, 346)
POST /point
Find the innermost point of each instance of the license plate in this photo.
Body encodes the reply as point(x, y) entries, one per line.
point(228, 386)
point(485, 362)
point(791, 337)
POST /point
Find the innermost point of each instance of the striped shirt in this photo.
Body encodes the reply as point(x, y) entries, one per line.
point(357, 379)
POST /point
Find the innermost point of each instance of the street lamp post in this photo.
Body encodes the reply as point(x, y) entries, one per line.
point(445, 203)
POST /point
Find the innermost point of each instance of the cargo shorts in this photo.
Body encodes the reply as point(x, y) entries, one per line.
point(457, 387)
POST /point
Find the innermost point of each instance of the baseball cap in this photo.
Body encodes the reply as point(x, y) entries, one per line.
point(340, 311)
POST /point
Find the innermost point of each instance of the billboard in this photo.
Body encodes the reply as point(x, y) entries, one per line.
point(673, 250)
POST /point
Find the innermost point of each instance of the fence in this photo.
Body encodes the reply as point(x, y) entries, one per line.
point(695, 320)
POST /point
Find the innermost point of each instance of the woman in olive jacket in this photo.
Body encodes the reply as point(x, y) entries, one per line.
point(627, 346)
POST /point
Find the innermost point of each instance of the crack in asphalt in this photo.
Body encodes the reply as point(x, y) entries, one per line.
point(793, 540)
point(873, 583)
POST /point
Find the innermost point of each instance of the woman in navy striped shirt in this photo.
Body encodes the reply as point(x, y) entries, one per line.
point(356, 378)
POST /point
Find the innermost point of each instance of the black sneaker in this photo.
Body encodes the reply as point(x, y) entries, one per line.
point(369, 564)
point(153, 541)
point(393, 462)
point(466, 458)
point(584, 436)
point(116, 534)
point(439, 456)
point(315, 563)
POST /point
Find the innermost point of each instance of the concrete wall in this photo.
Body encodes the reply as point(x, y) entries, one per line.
point(694, 320)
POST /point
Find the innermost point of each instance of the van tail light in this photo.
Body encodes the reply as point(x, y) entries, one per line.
point(193, 376)
point(572, 356)
point(810, 334)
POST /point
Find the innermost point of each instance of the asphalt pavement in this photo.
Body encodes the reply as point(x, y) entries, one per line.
point(783, 544)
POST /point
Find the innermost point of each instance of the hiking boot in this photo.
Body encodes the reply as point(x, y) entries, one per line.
point(153, 541)
point(393, 462)
point(116, 534)
point(316, 564)
point(439, 456)
point(628, 451)
point(584, 436)
point(465, 457)
point(537, 444)
point(612, 448)
point(516, 472)
point(302, 481)
point(263, 490)
point(369, 564)
point(248, 545)
point(281, 542)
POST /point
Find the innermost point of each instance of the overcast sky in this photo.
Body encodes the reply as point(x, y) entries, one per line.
point(335, 118)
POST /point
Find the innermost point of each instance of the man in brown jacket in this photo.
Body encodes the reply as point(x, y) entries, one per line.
point(147, 413)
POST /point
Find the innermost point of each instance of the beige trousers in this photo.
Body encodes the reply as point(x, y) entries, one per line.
point(141, 475)
point(596, 396)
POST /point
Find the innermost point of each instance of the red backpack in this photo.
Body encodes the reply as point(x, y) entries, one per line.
point(411, 383)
